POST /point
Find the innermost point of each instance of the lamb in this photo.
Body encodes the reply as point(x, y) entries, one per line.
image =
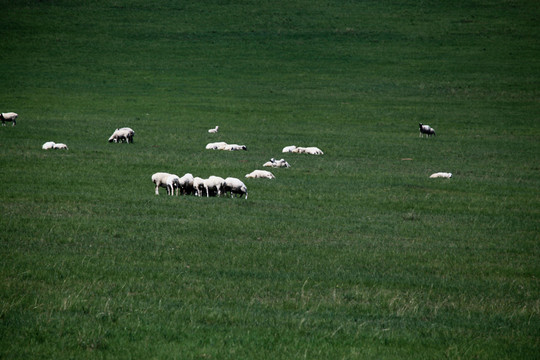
point(426, 129)
point(186, 184)
point(213, 183)
point(276, 163)
point(214, 130)
point(216, 145)
point(160, 180)
point(9, 116)
point(234, 186)
point(48, 145)
point(234, 147)
point(172, 182)
point(123, 134)
point(441, 175)
point(60, 146)
point(260, 174)
point(288, 148)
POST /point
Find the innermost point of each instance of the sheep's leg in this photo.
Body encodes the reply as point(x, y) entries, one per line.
point(157, 189)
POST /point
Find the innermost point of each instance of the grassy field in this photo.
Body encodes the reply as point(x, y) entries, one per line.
point(354, 254)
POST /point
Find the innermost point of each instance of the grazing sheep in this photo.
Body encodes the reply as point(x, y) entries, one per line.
point(122, 135)
point(234, 147)
point(288, 148)
point(60, 146)
point(198, 186)
point(214, 130)
point(234, 186)
point(216, 145)
point(172, 183)
point(9, 116)
point(160, 180)
point(213, 183)
point(276, 163)
point(186, 184)
point(260, 174)
point(441, 175)
point(48, 145)
point(426, 129)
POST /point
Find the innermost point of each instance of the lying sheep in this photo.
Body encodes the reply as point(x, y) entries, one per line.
point(234, 186)
point(48, 145)
point(213, 183)
point(60, 146)
point(427, 130)
point(9, 116)
point(287, 149)
point(172, 183)
point(276, 163)
point(124, 134)
point(214, 130)
point(260, 174)
point(186, 184)
point(312, 150)
point(441, 175)
point(234, 147)
point(216, 145)
point(160, 180)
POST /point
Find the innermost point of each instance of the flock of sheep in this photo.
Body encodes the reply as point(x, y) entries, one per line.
point(218, 186)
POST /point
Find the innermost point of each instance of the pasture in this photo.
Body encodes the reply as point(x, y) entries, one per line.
point(354, 254)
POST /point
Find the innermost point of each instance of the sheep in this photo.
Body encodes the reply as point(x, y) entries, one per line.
point(186, 184)
point(426, 129)
point(9, 116)
point(260, 174)
point(48, 145)
point(312, 150)
point(172, 182)
point(288, 148)
point(234, 147)
point(234, 186)
point(123, 134)
point(214, 130)
point(216, 145)
point(276, 163)
point(160, 180)
point(213, 183)
point(60, 146)
point(198, 186)
point(441, 175)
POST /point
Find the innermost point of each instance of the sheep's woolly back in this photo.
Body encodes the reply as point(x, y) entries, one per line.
point(446, 175)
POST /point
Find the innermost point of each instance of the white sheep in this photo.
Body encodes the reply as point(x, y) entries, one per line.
point(441, 175)
point(123, 134)
point(198, 186)
point(216, 145)
point(234, 186)
point(214, 130)
point(312, 150)
point(160, 180)
point(276, 163)
point(48, 145)
point(60, 146)
point(260, 174)
point(8, 116)
point(234, 147)
point(427, 130)
point(186, 184)
point(172, 183)
point(287, 149)
point(213, 183)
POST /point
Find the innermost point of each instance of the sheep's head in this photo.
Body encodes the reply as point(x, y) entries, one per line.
point(244, 147)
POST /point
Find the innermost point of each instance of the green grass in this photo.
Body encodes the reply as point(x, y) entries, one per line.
point(351, 255)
